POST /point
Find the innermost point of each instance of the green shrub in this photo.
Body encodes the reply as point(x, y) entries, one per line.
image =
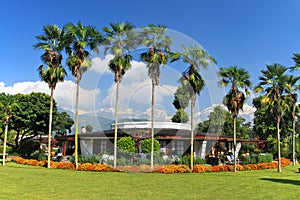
point(126, 145)
point(146, 146)
point(81, 159)
point(39, 155)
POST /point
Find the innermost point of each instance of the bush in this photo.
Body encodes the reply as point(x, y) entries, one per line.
point(81, 159)
point(126, 145)
point(186, 160)
point(39, 155)
point(146, 146)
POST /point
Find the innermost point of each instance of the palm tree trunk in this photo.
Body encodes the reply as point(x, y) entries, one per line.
point(4, 144)
point(50, 126)
point(234, 144)
point(116, 126)
point(192, 131)
point(278, 143)
point(76, 125)
point(294, 143)
point(152, 125)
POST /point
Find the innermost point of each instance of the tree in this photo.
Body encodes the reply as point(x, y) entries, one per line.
point(8, 105)
point(292, 97)
point(220, 121)
point(146, 146)
point(83, 38)
point(53, 41)
point(154, 38)
point(181, 101)
point(180, 116)
point(235, 99)
point(195, 57)
point(89, 128)
point(30, 119)
point(295, 107)
point(273, 82)
point(119, 41)
point(127, 145)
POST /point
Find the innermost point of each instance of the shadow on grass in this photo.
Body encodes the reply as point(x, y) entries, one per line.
point(285, 181)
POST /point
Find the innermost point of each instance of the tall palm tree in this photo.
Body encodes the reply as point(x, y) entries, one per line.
point(53, 41)
point(119, 41)
point(158, 44)
point(195, 57)
point(83, 38)
point(292, 97)
point(274, 83)
point(9, 106)
point(234, 100)
point(295, 108)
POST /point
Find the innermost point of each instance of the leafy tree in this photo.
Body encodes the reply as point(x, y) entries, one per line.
point(195, 57)
point(119, 40)
point(62, 123)
point(180, 116)
point(273, 82)
point(146, 146)
point(89, 128)
point(220, 121)
point(83, 38)
point(154, 38)
point(235, 99)
point(181, 98)
point(53, 41)
point(181, 101)
point(126, 145)
point(30, 118)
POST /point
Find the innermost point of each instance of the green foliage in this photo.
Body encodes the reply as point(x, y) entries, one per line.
point(186, 160)
point(180, 117)
point(257, 158)
point(181, 98)
point(27, 147)
point(126, 145)
point(82, 159)
point(8, 149)
point(247, 148)
point(39, 155)
point(31, 117)
point(146, 146)
point(89, 128)
point(220, 121)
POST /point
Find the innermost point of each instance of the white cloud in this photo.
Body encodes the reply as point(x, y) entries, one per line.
point(101, 65)
point(135, 89)
point(64, 93)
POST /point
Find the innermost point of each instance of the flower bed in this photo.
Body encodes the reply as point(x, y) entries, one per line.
point(168, 169)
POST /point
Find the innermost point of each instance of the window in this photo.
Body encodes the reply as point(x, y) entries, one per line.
point(103, 146)
point(163, 145)
point(180, 147)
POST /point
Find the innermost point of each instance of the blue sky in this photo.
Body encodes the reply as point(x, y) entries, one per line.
point(248, 33)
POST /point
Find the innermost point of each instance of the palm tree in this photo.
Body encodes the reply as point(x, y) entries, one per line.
point(295, 108)
point(83, 38)
point(193, 82)
point(292, 87)
point(8, 113)
point(274, 83)
point(119, 40)
point(235, 99)
point(53, 41)
point(154, 38)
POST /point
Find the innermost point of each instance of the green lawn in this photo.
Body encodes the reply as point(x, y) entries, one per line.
point(27, 182)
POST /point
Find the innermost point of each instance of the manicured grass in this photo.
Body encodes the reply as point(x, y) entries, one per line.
point(28, 182)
